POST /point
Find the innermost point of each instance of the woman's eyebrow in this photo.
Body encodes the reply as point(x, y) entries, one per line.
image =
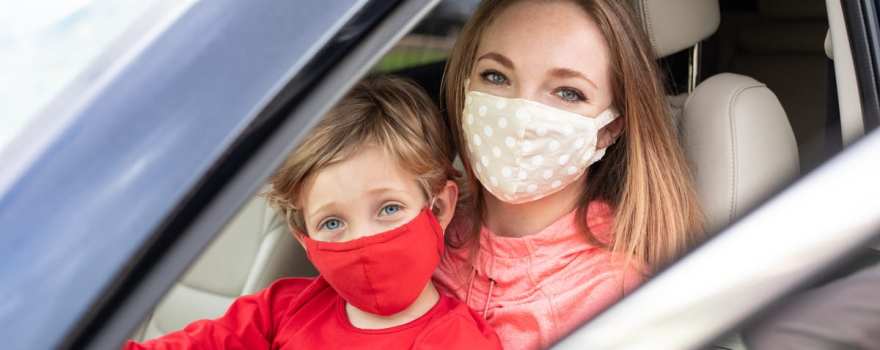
point(504, 61)
point(563, 73)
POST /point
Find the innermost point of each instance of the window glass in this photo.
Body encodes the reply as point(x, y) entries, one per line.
point(431, 40)
point(45, 45)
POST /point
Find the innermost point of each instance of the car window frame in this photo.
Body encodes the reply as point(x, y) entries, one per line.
point(861, 18)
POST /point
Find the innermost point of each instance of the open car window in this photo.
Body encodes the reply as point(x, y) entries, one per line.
point(421, 56)
point(201, 235)
point(47, 46)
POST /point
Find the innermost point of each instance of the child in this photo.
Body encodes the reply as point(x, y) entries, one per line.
point(368, 194)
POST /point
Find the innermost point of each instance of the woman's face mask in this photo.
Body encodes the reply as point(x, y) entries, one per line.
point(522, 150)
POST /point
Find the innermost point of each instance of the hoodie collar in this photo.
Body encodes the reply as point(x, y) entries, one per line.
point(563, 234)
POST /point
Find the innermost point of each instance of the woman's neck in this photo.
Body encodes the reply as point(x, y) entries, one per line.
point(518, 220)
point(365, 320)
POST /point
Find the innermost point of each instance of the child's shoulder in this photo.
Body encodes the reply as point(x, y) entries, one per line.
point(292, 284)
point(458, 328)
point(290, 289)
point(287, 296)
point(296, 287)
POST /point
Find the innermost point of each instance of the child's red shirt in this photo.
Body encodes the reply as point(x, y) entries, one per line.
point(300, 313)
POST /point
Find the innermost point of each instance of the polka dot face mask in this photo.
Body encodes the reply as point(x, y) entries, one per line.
point(523, 150)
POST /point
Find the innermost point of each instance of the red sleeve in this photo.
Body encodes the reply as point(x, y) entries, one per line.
point(249, 323)
point(461, 328)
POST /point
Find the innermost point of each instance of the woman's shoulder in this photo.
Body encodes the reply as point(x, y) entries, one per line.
point(592, 270)
point(612, 276)
point(615, 269)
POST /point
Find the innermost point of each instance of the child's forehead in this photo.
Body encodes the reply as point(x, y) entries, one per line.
point(368, 171)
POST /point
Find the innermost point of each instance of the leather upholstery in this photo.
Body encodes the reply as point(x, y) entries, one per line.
point(740, 144)
point(254, 249)
point(734, 130)
point(675, 25)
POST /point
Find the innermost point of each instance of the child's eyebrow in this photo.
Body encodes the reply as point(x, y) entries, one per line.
point(321, 209)
point(379, 190)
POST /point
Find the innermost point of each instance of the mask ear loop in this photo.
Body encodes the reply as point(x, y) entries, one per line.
point(607, 116)
point(431, 204)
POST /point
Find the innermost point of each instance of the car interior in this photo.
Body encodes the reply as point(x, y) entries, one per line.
point(254, 249)
point(751, 85)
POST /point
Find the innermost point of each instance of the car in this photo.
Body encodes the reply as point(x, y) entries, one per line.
point(129, 203)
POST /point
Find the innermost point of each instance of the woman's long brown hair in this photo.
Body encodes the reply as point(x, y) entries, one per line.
point(644, 176)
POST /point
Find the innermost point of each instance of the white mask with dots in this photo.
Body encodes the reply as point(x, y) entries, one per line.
point(523, 150)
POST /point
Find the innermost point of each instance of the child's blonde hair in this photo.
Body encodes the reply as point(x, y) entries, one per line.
point(391, 113)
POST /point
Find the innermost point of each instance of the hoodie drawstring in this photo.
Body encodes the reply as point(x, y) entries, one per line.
point(488, 298)
point(467, 296)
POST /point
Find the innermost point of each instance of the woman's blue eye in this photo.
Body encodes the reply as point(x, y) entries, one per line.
point(493, 77)
point(570, 95)
point(390, 209)
point(332, 224)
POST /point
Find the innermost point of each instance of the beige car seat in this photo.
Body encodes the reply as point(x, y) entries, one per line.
point(254, 249)
point(734, 130)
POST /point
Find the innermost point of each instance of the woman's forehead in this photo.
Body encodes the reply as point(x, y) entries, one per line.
point(542, 36)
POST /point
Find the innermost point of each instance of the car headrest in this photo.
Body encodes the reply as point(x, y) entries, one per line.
point(740, 145)
point(675, 25)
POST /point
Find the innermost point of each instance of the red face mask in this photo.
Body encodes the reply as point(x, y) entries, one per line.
point(382, 274)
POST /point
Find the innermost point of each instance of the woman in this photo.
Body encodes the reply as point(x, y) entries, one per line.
point(579, 186)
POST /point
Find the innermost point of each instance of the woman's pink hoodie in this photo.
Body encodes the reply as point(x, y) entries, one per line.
point(537, 288)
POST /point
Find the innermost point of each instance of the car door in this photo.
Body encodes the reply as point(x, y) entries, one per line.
point(132, 170)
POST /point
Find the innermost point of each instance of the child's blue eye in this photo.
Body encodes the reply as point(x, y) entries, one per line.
point(390, 209)
point(331, 224)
